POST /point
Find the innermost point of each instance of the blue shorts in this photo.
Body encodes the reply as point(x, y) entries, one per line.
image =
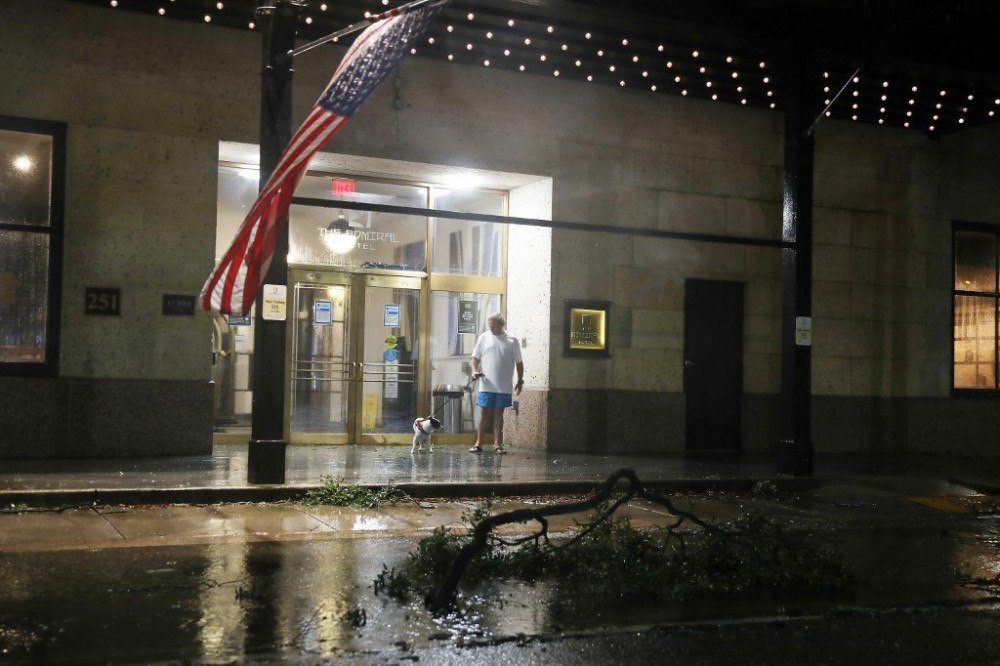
point(495, 400)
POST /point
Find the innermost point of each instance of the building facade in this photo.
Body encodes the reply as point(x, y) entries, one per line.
point(153, 108)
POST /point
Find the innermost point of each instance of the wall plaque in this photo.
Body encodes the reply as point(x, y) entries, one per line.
point(586, 329)
point(103, 301)
point(178, 305)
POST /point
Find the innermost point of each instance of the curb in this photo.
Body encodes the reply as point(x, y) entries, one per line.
point(278, 493)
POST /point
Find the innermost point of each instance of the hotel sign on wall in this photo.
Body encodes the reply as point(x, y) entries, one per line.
point(586, 329)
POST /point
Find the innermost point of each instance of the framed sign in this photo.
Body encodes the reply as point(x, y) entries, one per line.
point(322, 312)
point(390, 315)
point(103, 301)
point(274, 302)
point(586, 329)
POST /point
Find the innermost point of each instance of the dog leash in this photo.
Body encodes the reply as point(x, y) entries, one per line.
point(473, 379)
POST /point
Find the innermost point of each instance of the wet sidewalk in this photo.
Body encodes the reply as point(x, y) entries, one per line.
point(451, 471)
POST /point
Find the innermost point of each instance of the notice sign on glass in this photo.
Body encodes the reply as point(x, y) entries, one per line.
point(467, 317)
point(391, 315)
point(586, 328)
point(322, 312)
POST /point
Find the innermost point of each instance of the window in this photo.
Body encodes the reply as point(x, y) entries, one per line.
point(975, 300)
point(32, 176)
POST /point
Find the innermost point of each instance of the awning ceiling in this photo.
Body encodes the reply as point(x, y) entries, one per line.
point(928, 65)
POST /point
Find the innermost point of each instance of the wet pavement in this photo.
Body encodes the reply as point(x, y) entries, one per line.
point(234, 583)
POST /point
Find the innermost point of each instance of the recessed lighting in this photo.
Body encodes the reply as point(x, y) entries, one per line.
point(527, 41)
point(694, 54)
point(510, 23)
point(470, 16)
point(653, 87)
point(550, 29)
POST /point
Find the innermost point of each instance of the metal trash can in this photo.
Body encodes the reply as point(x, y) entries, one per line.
point(450, 396)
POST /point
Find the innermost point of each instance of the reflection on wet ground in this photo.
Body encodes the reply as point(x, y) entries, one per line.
point(221, 583)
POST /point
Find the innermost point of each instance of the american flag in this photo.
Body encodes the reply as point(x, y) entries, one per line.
point(233, 285)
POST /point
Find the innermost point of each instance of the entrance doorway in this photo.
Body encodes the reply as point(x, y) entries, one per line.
point(355, 345)
point(713, 365)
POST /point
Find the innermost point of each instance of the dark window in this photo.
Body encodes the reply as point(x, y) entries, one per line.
point(974, 306)
point(32, 176)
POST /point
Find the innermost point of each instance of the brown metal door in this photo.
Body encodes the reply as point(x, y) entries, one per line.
point(713, 364)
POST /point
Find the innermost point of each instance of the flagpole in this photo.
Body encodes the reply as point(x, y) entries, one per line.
point(361, 25)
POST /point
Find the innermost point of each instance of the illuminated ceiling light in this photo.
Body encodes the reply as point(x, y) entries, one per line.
point(736, 74)
point(590, 78)
point(486, 63)
point(635, 58)
point(645, 74)
point(309, 20)
point(430, 40)
point(684, 92)
point(577, 63)
point(912, 102)
point(714, 97)
point(906, 124)
point(542, 57)
point(767, 79)
point(555, 73)
point(565, 48)
point(338, 237)
point(611, 68)
point(653, 87)
point(671, 64)
point(600, 54)
point(468, 47)
point(729, 59)
point(943, 93)
point(826, 75)
point(23, 163)
point(510, 23)
point(489, 35)
point(527, 41)
point(856, 79)
point(587, 35)
point(881, 120)
point(550, 29)
point(208, 19)
point(506, 52)
point(521, 68)
point(694, 54)
point(708, 84)
point(855, 93)
point(450, 28)
point(885, 98)
point(743, 101)
point(251, 25)
point(762, 64)
point(677, 79)
point(161, 11)
point(885, 84)
point(470, 16)
point(621, 83)
point(701, 69)
point(451, 57)
point(961, 120)
point(660, 48)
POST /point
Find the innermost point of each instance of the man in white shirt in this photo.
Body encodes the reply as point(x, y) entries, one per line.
point(495, 357)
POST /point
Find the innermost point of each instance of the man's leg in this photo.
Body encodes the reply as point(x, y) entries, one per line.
point(484, 413)
point(498, 428)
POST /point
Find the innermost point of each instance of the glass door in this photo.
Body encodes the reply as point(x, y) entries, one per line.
point(354, 353)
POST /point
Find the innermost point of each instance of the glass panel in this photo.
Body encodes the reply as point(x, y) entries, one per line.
point(25, 178)
point(320, 358)
point(975, 342)
point(237, 192)
point(975, 261)
point(24, 286)
point(376, 240)
point(463, 247)
point(389, 396)
point(232, 359)
point(457, 319)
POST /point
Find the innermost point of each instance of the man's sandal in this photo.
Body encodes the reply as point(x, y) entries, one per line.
point(476, 449)
point(499, 449)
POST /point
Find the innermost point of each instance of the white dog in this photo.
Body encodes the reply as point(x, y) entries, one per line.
point(422, 431)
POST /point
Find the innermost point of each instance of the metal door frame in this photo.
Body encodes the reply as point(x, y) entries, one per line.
point(357, 284)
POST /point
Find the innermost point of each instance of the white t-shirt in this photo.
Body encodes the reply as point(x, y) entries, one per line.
point(498, 355)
